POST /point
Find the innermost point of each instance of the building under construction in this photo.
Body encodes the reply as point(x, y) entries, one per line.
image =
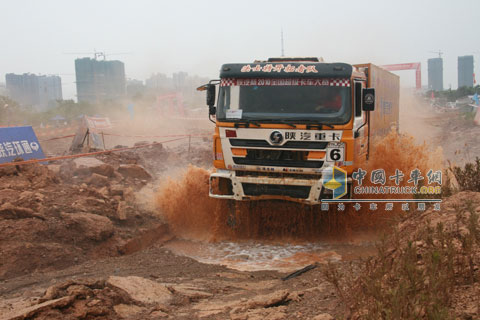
point(99, 80)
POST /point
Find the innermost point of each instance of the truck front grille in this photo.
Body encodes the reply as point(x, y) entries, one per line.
point(297, 192)
point(288, 145)
point(271, 174)
point(277, 158)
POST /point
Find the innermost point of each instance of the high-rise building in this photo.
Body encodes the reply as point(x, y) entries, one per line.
point(35, 91)
point(465, 71)
point(159, 81)
point(179, 79)
point(135, 87)
point(435, 74)
point(99, 80)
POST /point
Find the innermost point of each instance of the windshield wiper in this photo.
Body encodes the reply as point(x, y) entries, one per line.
point(279, 121)
point(312, 124)
point(319, 126)
point(246, 123)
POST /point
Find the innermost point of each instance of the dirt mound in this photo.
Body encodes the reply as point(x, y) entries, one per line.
point(58, 215)
point(454, 216)
point(428, 267)
point(74, 300)
point(447, 243)
point(66, 212)
point(27, 175)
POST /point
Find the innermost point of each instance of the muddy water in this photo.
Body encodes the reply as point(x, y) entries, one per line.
point(265, 235)
point(283, 235)
point(255, 255)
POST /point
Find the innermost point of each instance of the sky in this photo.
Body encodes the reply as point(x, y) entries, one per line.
point(38, 36)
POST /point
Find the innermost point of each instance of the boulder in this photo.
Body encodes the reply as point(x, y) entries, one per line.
point(122, 211)
point(104, 169)
point(88, 162)
point(190, 292)
point(128, 310)
point(103, 192)
point(93, 226)
point(268, 300)
point(98, 180)
point(133, 171)
point(116, 190)
point(9, 211)
point(89, 165)
point(30, 312)
point(89, 204)
point(141, 290)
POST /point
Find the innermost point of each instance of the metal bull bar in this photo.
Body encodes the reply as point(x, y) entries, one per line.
point(313, 189)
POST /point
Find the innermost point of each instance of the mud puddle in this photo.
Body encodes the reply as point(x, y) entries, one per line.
point(256, 256)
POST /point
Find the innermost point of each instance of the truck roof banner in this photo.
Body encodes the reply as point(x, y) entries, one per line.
point(19, 142)
point(341, 82)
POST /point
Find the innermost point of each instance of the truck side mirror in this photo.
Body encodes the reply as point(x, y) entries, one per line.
point(210, 88)
point(210, 95)
point(368, 97)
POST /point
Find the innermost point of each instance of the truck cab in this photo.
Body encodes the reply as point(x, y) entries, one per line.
point(288, 128)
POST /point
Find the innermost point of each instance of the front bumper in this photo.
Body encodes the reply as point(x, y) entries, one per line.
point(303, 190)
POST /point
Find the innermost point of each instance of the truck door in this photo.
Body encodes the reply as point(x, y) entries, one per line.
point(360, 128)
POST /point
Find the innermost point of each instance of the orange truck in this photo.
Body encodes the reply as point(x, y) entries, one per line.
point(283, 125)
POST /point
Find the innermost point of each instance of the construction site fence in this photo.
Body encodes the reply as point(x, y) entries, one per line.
point(89, 154)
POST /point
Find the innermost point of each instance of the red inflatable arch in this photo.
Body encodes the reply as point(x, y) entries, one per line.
point(408, 66)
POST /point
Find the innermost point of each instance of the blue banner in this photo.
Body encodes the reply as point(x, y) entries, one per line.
point(19, 142)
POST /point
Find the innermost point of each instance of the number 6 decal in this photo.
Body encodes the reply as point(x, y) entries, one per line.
point(334, 154)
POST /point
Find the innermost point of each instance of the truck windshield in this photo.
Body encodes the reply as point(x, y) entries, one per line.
point(327, 103)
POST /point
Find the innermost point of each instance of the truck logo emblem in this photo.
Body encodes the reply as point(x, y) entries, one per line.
point(369, 98)
point(276, 137)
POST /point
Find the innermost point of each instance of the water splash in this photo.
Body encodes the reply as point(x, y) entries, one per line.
point(192, 214)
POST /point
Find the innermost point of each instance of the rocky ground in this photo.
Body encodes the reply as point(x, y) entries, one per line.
point(77, 241)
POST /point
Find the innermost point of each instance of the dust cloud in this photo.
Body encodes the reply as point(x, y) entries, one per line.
point(416, 117)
